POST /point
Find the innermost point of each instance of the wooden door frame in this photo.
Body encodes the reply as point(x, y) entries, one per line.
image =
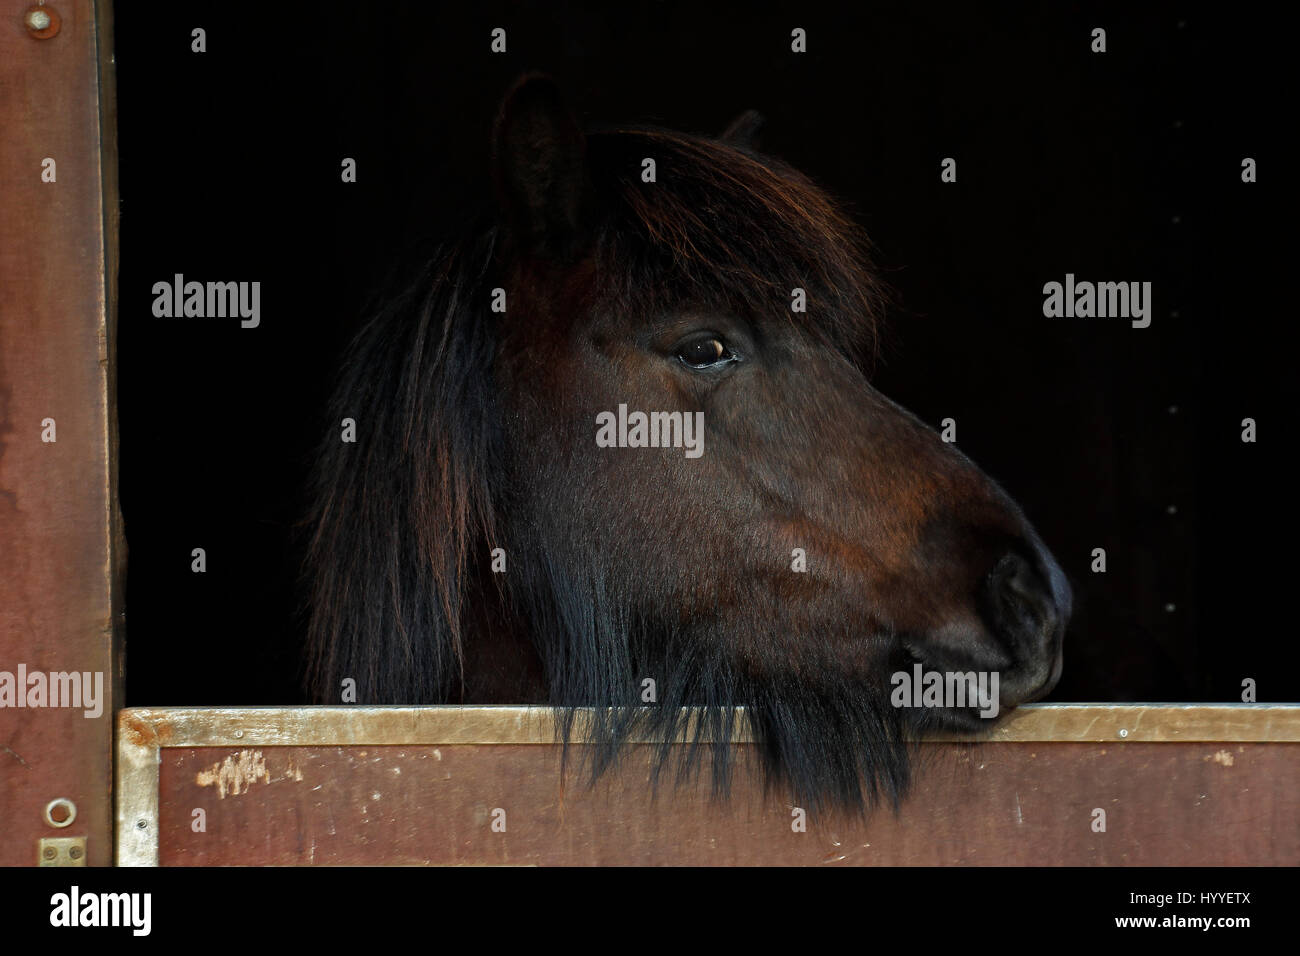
point(61, 560)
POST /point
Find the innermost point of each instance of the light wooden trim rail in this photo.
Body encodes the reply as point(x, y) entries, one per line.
point(142, 734)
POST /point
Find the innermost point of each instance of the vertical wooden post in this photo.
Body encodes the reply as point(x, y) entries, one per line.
point(60, 534)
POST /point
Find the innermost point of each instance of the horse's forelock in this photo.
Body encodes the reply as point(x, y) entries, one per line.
point(726, 224)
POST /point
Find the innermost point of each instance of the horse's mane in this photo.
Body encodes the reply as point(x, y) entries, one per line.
point(403, 520)
point(397, 518)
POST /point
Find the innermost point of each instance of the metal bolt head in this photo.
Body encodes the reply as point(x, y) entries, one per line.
point(75, 852)
point(49, 853)
point(42, 22)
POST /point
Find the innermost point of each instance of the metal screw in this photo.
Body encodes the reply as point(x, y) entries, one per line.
point(142, 824)
point(1123, 732)
point(49, 853)
point(238, 734)
point(75, 852)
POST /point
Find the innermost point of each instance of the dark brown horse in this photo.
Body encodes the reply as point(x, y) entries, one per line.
point(478, 542)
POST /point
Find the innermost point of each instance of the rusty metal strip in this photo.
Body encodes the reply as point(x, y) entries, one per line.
point(138, 757)
point(1154, 723)
point(376, 726)
point(114, 529)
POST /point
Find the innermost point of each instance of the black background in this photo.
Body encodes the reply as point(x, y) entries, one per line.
point(1045, 897)
point(1122, 166)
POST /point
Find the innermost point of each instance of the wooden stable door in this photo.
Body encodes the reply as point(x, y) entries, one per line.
point(1057, 784)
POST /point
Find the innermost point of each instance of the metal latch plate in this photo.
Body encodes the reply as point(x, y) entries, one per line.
point(62, 851)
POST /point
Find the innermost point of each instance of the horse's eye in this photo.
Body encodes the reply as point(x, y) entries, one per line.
point(704, 353)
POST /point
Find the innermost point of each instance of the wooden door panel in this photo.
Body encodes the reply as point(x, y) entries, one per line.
point(1178, 785)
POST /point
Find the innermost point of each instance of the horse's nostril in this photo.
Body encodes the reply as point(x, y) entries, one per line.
point(1024, 602)
point(1028, 603)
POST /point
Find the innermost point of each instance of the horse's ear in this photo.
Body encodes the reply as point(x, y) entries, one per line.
point(540, 167)
point(744, 129)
